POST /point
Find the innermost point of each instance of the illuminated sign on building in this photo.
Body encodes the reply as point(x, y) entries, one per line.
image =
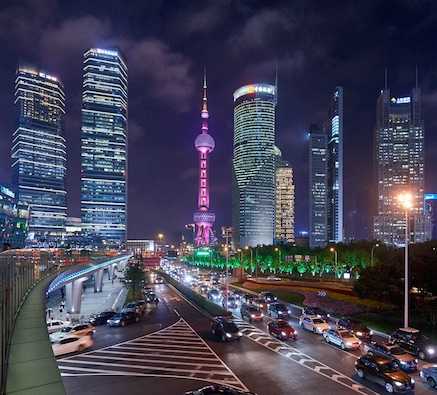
point(401, 100)
point(255, 88)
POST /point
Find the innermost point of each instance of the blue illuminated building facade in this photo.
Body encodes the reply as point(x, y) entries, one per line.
point(38, 152)
point(104, 146)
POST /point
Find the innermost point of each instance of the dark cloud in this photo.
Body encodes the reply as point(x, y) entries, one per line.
point(314, 45)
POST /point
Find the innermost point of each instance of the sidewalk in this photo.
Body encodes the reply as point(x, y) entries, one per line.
point(112, 297)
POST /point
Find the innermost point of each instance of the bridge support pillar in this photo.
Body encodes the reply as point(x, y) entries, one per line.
point(98, 280)
point(73, 291)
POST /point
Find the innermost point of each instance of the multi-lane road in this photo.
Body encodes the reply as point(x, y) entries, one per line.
point(171, 350)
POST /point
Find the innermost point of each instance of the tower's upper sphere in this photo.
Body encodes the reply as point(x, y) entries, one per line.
point(204, 142)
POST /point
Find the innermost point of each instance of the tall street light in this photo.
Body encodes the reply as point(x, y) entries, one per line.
point(251, 256)
point(256, 260)
point(405, 199)
point(225, 232)
point(371, 254)
point(335, 260)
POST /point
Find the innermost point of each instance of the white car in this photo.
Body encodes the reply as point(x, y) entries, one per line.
point(343, 338)
point(313, 323)
point(71, 343)
point(56, 325)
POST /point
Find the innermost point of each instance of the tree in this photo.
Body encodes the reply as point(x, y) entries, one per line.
point(134, 278)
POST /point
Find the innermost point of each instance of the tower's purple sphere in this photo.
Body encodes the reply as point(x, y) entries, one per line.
point(203, 141)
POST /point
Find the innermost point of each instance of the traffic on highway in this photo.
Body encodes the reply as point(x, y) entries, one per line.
point(260, 345)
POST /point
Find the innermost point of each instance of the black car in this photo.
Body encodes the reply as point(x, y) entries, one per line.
point(218, 390)
point(393, 352)
point(278, 310)
point(414, 342)
point(121, 319)
point(101, 318)
point(226, 328)
point(382, 371)
point(214, 295)
point(359, 329)
point(268, 297)
point(317, 311)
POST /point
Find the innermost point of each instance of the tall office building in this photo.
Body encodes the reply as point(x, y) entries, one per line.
point(318, 180)
point(253, 183)
point(333, 128)
point(38, 152)
point(284, 214)
point(400, 168)
point(104, 146)
point(430, 207)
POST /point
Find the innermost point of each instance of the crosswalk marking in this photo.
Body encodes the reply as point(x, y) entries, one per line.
point(176, 351)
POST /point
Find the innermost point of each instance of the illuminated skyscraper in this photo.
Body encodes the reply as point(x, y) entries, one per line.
point(318, 171)
point(39, 152)
point(253, 183)
point(284, 215)
point(104, 145)
point(204, 143)
point(399, 168)
point(333, 128)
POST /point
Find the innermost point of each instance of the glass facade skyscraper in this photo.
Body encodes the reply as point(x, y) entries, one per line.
point(333, 128)
point(104, 146)
point(38, 169)
point(253, 183)
point(318, 180)
point(400, 168)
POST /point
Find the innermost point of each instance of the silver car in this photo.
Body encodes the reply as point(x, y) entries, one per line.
point(313, 323)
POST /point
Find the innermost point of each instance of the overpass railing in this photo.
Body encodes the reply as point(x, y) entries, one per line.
point(20, 271)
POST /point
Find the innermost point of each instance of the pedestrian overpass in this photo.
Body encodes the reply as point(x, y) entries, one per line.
point(73, 279)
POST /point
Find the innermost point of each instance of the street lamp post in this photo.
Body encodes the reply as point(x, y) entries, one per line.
point(405, 199)
point(335, 261)
point(251, 256)
point(256, 261)
point(371, 254)
point(226, 232)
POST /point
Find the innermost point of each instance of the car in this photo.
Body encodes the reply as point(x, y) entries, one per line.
point(218, 390)
point(77, 330)
point(281, 329)
point(56, 325)
point(429, 373)
point(214, 295)
point(260, 303)
point(393, 352)
point(357, 327)
point(414, 342)
point(134, 307)
point(71, 343)
point(382, 371)
point(121, 319)
point(268, 297)
point(225, 328)
point(230, 301)
point(150, 297)
point(313, 323)
point(158, 280)
point(273, 278)
point(317, 311)
point(237, 294)
point(278, 310)
point(203, 289)
point(247, 298)
point(343, 338)
point(101, 318)
point(251, 312)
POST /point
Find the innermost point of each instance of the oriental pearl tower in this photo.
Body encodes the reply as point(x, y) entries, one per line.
point(203, 218)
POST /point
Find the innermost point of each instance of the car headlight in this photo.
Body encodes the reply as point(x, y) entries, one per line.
point(359, 333)
point(412, 380)
point(228, 335)
point(240, 334)
point(348, 344)
point(283, 333)
point(431, 351)
point(117, 321)
point(398, 384)
point(371, 332)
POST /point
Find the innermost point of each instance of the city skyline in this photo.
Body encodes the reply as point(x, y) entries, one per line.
point(241, 42)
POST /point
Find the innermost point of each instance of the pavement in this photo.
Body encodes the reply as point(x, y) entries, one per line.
point(112, 297)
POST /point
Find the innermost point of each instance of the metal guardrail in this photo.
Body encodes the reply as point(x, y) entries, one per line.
point(20, 271)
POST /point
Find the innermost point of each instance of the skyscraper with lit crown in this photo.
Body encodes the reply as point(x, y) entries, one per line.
point(399, 160)
point(203, 217)
point(253, 182)
point(39, 152)
point(104, 146)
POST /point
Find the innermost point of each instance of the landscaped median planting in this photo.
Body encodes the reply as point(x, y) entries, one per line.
point(339, 301)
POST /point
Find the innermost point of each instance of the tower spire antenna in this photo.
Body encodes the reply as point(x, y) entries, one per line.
point(417, 77)
point(276, 84)
point(204, 143)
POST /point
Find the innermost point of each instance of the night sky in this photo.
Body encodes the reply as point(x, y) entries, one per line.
point(316, 46)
